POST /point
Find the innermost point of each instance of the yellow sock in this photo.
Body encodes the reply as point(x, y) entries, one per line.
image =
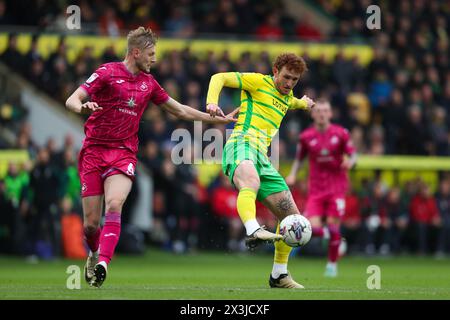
point(246, 205)
point(282, 250)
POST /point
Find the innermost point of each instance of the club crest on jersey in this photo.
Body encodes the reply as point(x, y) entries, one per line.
point(324, 152)
point(143, 86)
point(131, 103)
point(334, 140)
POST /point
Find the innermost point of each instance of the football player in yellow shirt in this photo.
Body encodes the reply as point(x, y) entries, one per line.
point(265, 99)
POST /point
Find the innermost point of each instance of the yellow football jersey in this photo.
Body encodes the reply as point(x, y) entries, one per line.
point(262, 106)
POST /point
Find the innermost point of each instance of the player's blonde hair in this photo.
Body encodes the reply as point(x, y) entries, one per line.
point(141, 38)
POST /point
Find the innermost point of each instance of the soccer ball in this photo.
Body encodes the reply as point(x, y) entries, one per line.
point(296, 230)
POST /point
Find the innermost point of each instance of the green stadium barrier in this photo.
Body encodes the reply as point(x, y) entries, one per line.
point(16, 156)
point(394, 170)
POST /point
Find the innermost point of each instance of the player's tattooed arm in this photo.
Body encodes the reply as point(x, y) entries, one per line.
point(75, 103)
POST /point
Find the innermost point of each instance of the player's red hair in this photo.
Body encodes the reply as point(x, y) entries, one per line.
point(292, 62)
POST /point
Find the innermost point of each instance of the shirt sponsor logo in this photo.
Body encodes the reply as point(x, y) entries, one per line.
point(279, 106)
point(132, 113)
point(92, 77)
point(110, 235)
point(130, 170)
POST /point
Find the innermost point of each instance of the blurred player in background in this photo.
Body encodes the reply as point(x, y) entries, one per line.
point(325, 144)
point(119, 94)
point(265, 101)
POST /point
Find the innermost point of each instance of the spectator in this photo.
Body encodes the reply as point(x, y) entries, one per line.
point(373, 215)
point(4, 18)
point(306, 30)
point(109, 55)
point(425, 218)
point(15, 182)
point(45, 226)
point(12, 57)
point(110, 25)
point(223, 205)
point(380, 90)
point(270, 29)
point(71, 231)
point(443, 204)
point(179, 23)
point(351, 222)
point(415, 126)
point(439, 132)
point(397, 217)
point(7, 217)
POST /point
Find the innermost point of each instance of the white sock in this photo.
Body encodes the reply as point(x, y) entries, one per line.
point(93, 254)
point(103, 263)
point(278, 269)
point(332, 265)
point(251, 226)
point(326, 233)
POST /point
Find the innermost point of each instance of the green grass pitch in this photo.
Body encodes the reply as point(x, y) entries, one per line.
point(210, 276)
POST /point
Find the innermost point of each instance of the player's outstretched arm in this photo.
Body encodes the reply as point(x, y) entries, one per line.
point(185, 112)
point(292, 177)
point(304, 103)
point(75, 103)
point(349, 162)
point(217, 82)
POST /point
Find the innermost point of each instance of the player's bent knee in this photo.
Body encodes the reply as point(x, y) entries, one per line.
point(250, 183)
point(92, 218)
point(90, 228)
point(315, 221)
point(246, 177)
point(114, 205)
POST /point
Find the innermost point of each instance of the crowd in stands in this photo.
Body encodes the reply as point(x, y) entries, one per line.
point(263, 19)
point(398, 104)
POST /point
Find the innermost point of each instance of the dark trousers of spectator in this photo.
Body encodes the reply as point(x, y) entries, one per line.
point(44, 230)
point(183, 219)
point(443, 245)
point(396, 239)
point(7, 230)
point(425, 237)
point(353, 236)
point(368, 239)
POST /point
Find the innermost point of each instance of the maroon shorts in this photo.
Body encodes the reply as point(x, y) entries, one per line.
point(327, 205)
point(96, 163)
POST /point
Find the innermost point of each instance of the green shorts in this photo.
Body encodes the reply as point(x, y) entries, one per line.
point(270, 180)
